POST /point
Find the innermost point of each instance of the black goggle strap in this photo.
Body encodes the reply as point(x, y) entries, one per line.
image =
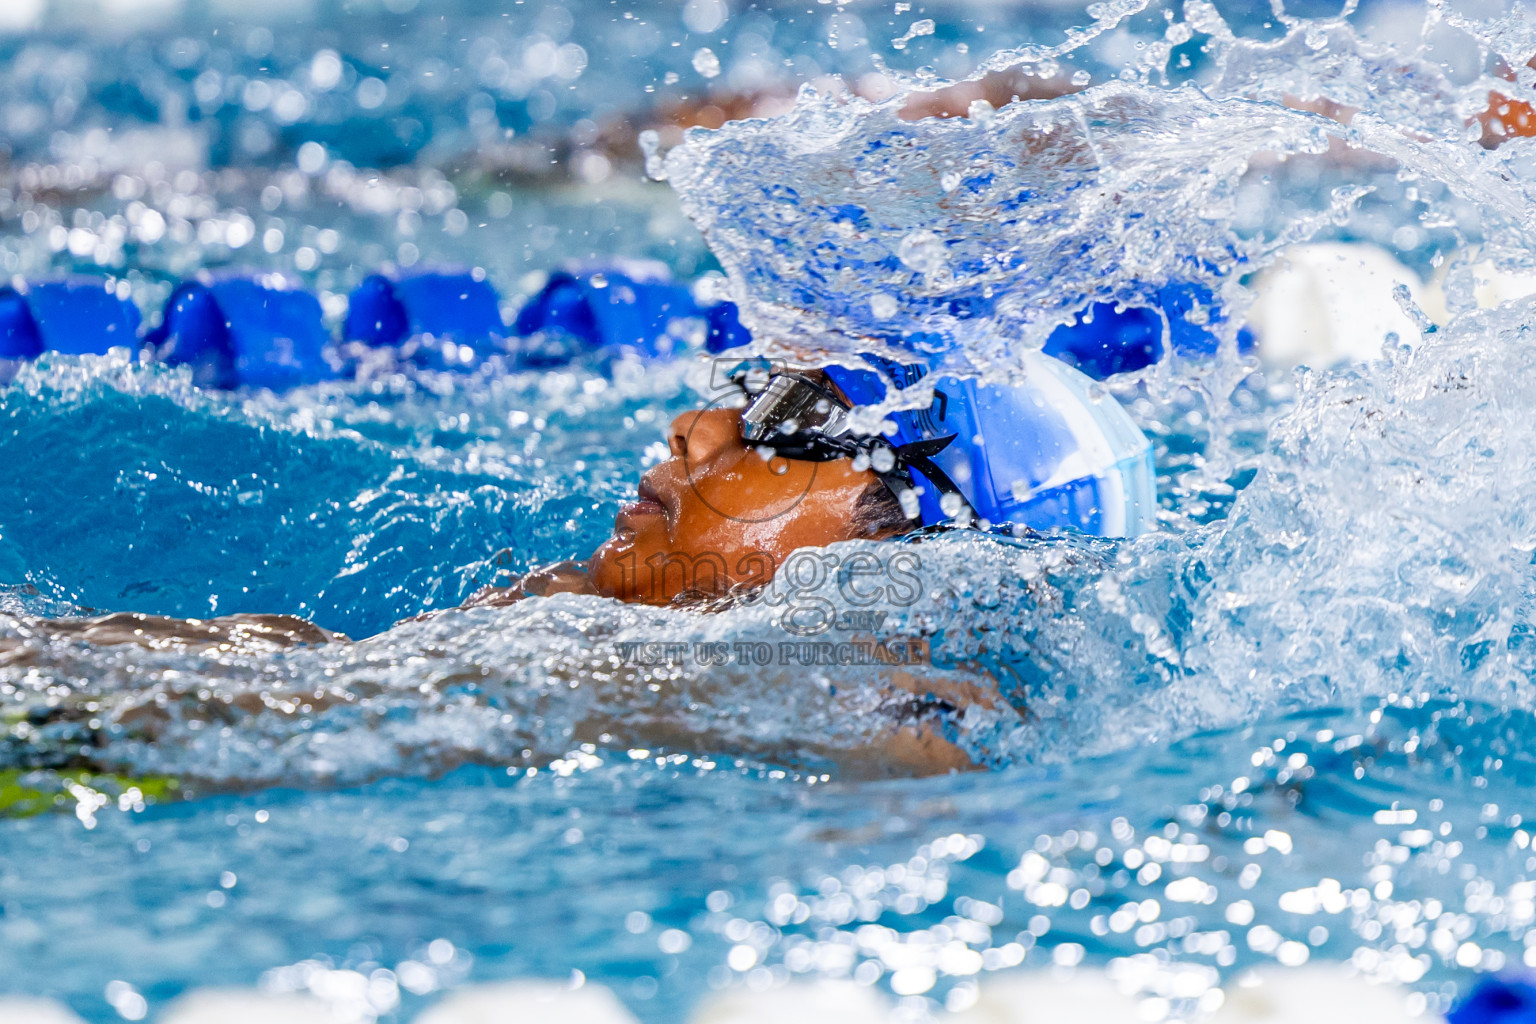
point(916, 455)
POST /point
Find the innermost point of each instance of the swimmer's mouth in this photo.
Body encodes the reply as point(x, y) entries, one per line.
point(648, 503)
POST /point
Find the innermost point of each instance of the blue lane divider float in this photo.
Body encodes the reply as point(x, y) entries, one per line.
point(607, 308)
point(1104, 341)
point(627, 311)
point(1497, 1000)
point(1101, 342)
point(725, 328)
point(265, 331)
point(421, 313)
point(258, 332)
point(76, 316)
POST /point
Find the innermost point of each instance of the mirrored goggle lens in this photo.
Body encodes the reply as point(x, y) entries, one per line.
point(790, 405)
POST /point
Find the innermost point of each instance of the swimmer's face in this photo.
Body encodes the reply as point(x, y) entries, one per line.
point(717, 514)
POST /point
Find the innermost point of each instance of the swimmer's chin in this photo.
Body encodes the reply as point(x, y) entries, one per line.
point(604, 573)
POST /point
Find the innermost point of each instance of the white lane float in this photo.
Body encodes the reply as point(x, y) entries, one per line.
point(819, 1002)
point(528, 1002)
point(26, 1010)
point(1327, 303)
point(1078, 996)
point(1314, 994)
point(246, 1006)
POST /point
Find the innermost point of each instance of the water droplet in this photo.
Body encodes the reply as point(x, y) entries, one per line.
point(925, 252)
point(706, 63)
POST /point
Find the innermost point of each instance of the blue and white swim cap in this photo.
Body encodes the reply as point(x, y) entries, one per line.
point(1053, 452)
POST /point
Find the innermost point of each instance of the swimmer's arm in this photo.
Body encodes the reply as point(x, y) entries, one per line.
point(560, 578)
point(911, 745)
point(919, 747)
point(235, 633)
point(258, 633)
point(915, 750)
point(959, 692)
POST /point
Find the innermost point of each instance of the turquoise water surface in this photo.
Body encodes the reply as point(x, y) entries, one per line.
point(1293, 725)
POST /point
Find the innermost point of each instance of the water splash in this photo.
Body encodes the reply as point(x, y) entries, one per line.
point(1107, 197)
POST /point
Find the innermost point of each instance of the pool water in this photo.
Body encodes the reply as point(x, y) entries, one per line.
point(1294, 725)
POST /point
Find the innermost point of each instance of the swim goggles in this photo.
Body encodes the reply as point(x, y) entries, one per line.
point(798, 418)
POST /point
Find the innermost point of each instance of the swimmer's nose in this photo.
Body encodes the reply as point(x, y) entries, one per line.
point(703, 433)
